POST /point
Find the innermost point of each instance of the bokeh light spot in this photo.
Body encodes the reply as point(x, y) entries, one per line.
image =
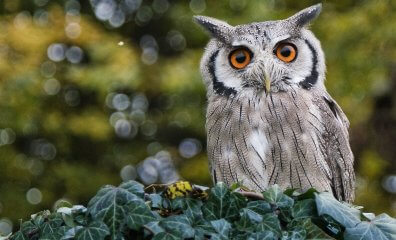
point(128, 172)
point(237, 5)
point(389, 183)
point(105, 9)
point(52, 86)
point(125, 128)
point(48, 69)
point(117, 19)
point(176, 40)
point(149, 56)
point(34, 196)
point(5, 226)
point(73, 30)
point(74, 54)
point(140, 102)
point(147, 172)
point(40, 17)
point(56, 52)
point(72, 97)
point(144, 15)
point(121, 101)
point(133, 5)
point(115, 116)
point(43, 149)
point(22, 19)
point(189, 147)
point(149, 128)
point(197, 6)
point(160, 6)
point(41, 3)
point(7, 136)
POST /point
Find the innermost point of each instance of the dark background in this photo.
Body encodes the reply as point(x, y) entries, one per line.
point(101, 91)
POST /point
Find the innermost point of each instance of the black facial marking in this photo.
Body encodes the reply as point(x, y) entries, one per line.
point(310, 80)
point(218, 87)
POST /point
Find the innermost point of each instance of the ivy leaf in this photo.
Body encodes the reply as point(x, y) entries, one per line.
point(133, 187)
point(222, 203)
point(274, 195)
point(176, 203)
point(178, 225)
point(19, 236)
point(110, 205)
point(285, 214)
point(165, 236)
point(291, 192)
point(49, 237)
point(312, 231)
point(304, 208)
point(56, 219)
point(154, 227)
point(68, 219)
point(203, 227)
point(262, 236)
point(138, 215)
point(309, 194)
point(40, 217)
point(222, 227)
point(271, 223)
point(219, 195)
point(47, 228)
point(327, 204)
point(368, 216)
point(296, 234)
point(156, 200)
point(260, 207)
point(191, 208)
point(382, 227)
point(210, 211)
point(29, 228)
point(248, 219)
point(61, 232)
point(94, 231)
point(331, 226)
point(71, 232)
point(236, 202)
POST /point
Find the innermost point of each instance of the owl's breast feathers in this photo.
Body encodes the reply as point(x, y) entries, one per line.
point(296, 139)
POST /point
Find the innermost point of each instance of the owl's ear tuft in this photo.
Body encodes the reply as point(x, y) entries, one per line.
point(305, 16)
point(217, 28)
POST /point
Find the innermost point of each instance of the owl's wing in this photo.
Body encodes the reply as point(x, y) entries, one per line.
point(339, 156)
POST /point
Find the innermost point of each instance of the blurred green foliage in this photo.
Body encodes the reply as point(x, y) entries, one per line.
point(65, 70)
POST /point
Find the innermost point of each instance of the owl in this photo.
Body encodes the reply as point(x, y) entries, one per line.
point(270, 119)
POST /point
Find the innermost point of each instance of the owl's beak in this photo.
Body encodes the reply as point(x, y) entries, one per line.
point(267, 83)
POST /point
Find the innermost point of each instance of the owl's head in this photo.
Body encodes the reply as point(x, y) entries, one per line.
point(265, 56)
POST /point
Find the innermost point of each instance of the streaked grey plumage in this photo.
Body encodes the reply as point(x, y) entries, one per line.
point(291, 132)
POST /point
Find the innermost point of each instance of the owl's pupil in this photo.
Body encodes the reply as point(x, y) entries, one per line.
point(285, 51)
point(240, 57)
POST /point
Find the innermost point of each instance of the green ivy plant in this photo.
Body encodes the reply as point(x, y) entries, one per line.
point(130, 212)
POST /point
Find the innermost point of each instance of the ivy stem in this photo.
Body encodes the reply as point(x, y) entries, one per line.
point(253, 195)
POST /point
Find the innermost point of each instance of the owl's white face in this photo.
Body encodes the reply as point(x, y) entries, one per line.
point(267, 56)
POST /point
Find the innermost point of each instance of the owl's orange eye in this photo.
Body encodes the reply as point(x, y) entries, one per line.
point(286, 52)
point(240, 58)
